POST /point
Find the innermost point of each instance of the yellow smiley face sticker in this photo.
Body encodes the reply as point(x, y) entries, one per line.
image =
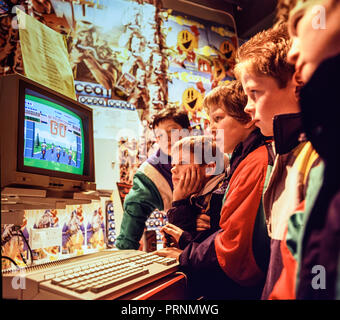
point(192, 99)
point(186, 41)
point(218, 70)
point(228, 50)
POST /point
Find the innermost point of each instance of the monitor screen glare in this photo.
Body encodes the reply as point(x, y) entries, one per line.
point(53, 136)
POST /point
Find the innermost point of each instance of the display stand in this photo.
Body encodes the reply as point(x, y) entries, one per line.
point(15, 200)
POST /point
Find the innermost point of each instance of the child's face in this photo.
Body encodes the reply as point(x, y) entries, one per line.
point(266, 99)
point(227, 131)
point(315, 31)
point(183, 164)
point(167, 134)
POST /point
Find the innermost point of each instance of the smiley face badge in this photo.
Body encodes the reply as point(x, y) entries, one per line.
point(228, 51)
point(192, 99)
point(186, 41)
point(218, 70)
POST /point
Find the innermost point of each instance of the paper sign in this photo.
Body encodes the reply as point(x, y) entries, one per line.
point(45, 55)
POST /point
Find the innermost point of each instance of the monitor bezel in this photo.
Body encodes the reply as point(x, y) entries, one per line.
point(81, 110)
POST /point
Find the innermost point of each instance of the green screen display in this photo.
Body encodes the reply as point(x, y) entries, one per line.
point(53, 136)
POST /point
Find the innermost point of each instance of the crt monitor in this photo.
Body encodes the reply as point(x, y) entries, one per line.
point(46, 137)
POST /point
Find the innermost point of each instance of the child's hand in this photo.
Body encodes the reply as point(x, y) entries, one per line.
point(203, 222)
point(173, 231)
point(191, 182)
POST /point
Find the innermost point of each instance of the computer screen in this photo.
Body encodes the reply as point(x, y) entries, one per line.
point(46, 138)
point(53, 135)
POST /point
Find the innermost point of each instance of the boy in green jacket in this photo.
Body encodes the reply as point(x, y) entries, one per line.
point(152, 185)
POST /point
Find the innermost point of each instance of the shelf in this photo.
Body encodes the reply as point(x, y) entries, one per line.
point(13, 199)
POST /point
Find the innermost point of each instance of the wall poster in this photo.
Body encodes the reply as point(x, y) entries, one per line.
point(129, 59)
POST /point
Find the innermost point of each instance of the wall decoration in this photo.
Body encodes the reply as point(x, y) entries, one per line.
point(129, 59)
point(132, 52)
point(201, 56)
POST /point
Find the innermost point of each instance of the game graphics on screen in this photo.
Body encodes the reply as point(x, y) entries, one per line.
point(53, 136)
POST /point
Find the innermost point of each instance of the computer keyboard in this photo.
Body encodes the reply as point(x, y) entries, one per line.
point(107, 274)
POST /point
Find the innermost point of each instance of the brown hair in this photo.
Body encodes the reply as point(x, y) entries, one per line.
point(232, 98)
point(283, 9)
point(203, 148)
point(171, 113)
point(266, 53)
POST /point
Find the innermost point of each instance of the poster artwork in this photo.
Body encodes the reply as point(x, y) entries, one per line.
point(130, 56)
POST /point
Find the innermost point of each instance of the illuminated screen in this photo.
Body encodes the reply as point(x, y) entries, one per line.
point(53, 136)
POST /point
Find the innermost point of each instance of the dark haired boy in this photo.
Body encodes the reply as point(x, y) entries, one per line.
point(152, 186)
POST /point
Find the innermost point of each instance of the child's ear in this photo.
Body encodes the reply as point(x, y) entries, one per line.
point(298, 84)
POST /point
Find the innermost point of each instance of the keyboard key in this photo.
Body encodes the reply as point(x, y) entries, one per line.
point(81, 289)
point(167, 262)
point(115, 282)
point(68, 277)
point(66, 283)
point(57, 280)
point(67, 272)
point(82, 278)
point(74, 286)
point(49, 276)
point(146, 263)
point(158, 259)
point(86, 282)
